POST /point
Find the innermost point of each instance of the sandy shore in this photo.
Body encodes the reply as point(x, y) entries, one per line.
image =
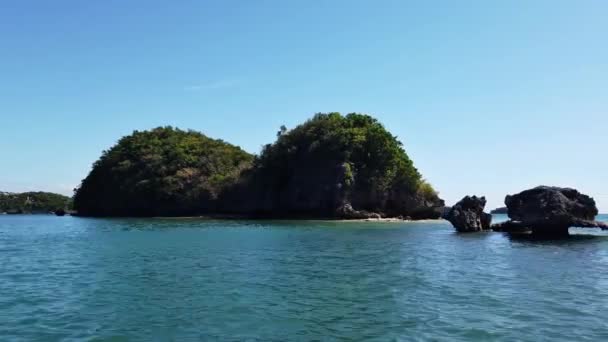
point(232, 218)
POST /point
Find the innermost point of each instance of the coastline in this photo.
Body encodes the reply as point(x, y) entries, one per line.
point(237, 217)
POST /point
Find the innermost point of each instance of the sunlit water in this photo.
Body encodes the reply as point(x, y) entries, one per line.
point(65, 278)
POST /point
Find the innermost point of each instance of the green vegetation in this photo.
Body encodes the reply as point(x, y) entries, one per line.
point(317, 169)
point(162, 172)
point(33, 202)
point(332, 160)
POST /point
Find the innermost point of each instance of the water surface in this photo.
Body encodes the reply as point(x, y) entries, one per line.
point(73, 279)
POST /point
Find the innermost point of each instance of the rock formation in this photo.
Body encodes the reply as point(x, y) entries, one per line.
point(468, 215)
point(348, 212)
point(550, 211)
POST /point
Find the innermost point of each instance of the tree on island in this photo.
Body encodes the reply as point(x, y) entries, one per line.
point(162, 172)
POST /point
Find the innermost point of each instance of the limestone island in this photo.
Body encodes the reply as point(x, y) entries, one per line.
point(332, 166)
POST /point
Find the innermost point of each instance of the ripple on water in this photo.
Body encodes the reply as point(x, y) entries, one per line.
point(82, 279)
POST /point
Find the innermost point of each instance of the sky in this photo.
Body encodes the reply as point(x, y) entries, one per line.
point(488, 97)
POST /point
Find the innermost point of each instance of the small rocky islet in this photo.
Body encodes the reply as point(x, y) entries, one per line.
point(544, 211)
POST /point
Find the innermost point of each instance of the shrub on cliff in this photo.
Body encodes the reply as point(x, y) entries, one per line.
point(165, 171)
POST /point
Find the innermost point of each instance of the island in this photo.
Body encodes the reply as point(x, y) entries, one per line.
point(38, 202)
point(331, 166)
point(501, 210)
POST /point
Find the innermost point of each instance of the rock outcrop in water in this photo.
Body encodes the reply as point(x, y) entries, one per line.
point(549, 211)
point(347, 211)
point(468, 215)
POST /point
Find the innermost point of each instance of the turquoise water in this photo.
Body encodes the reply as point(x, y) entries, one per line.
point(73, 279)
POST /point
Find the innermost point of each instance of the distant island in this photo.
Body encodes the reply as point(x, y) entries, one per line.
point(502, 210)
point(332, 166)
point(33, 202)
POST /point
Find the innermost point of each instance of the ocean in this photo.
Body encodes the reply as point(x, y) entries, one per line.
point(74, 279)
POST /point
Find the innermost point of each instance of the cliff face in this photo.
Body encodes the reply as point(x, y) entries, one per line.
point(306, 192)
point(332, 166)
point(324, 193)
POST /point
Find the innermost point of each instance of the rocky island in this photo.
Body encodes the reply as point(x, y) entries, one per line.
point(542, 211)
point(468, 216)
point(332, 166)
point(550, 211)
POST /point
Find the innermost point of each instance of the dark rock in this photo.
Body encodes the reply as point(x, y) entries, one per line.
point(510, 227)
point(60, 212)
point(468, 215)
point(550, 211)
point(445, 211)
point(486, 221)
point(550, 204)
point(347, 211)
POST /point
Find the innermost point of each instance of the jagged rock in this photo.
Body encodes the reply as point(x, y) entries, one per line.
point(468, 215)
point(545, 204)
point(550, 211)
point(347, 211)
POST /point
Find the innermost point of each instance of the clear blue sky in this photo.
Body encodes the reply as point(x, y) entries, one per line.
point(489, 97)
